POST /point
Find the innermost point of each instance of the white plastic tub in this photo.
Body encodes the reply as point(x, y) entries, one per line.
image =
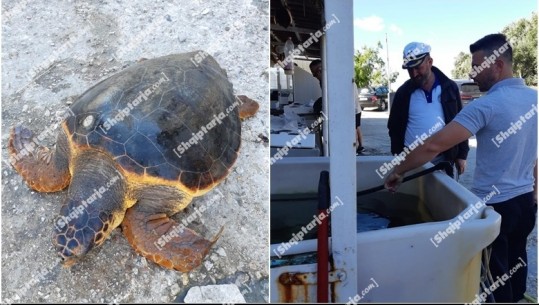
point(406, 263)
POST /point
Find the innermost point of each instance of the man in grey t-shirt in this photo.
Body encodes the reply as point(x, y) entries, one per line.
point(505, 124)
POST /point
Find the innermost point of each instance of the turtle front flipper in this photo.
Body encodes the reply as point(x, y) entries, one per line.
point(163, 240)
point(44, 170)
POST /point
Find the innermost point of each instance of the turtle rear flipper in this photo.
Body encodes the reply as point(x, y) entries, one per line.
point(44, 170)
point(163, 240)
point(247, 107)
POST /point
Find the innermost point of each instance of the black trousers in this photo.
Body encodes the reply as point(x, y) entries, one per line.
point(509, 258)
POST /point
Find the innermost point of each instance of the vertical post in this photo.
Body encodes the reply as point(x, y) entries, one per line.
point(325, 126)
point(278, 80)
point(388, 79)
point(339, 47)
point(322, 279)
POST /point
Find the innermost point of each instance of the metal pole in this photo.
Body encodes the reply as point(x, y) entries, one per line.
point(325, 125)
point(339, 47)
point(388, 79)
point(278, 80)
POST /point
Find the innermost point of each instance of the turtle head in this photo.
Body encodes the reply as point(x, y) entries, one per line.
point(95, 206)
point(80, 227)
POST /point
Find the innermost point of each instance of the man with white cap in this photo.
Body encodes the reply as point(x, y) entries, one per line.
point(423, 105)
point(504, 122)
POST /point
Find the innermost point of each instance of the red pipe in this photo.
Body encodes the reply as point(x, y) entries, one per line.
point(323, 259)
point(322, 286)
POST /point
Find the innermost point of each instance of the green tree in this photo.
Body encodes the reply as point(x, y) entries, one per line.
point(392, 78)
point(463, 65)
point(522, 35)
point(369, 68)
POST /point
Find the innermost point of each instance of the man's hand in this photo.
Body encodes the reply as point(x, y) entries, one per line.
point(461, 165)
point(393, 181)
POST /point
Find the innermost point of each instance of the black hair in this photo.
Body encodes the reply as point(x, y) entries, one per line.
point(315, 62)
point(494, 44)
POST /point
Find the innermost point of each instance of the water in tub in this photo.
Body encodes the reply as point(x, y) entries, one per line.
point(381, 210)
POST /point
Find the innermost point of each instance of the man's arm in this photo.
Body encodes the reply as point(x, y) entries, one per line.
point(535, 181)
point(452, 134)
point(461, 165)
point(393, 125)
point(462, 148)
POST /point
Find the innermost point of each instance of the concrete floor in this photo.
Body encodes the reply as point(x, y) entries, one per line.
point(52, 51)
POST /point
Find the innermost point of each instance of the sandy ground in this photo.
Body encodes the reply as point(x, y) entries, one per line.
point(376, 142)
point(52, 52)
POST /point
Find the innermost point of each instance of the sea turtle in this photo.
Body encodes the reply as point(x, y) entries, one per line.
point(136, 149)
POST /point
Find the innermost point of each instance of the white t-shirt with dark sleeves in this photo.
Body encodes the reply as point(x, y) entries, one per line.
point(505, 124)
point(424, 116)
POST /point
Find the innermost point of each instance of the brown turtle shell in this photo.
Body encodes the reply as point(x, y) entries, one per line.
point(174, 118)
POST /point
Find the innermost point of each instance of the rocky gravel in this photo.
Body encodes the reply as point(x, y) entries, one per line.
point(52, 52)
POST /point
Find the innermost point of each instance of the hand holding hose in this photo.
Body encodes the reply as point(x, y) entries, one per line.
point(393, 181)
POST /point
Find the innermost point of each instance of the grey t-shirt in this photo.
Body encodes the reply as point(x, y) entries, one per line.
point(505, 124)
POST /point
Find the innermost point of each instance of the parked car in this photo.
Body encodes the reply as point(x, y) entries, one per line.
point(371, 97)
point(469, 90)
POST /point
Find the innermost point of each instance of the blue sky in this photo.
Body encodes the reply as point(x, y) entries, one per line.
point(449, 27)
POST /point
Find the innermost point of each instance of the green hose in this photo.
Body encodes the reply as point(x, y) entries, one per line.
point(529, 298)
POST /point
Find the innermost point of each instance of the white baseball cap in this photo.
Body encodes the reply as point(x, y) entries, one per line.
point(414, 53)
